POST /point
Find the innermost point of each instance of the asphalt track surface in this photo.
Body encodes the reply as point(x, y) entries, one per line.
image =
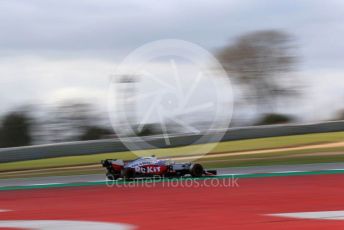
point(276, 197)
point(282, 169)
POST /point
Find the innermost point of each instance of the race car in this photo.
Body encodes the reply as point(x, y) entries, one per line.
point(152, 167)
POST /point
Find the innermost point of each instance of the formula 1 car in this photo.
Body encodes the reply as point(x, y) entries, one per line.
point(150, 167)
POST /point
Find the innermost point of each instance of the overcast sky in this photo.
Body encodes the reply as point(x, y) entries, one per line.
point(52, 50)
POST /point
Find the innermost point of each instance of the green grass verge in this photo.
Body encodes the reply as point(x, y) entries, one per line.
point(230, 146)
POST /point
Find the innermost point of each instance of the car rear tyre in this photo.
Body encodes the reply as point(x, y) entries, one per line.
point(196, 170)
point(111, 176)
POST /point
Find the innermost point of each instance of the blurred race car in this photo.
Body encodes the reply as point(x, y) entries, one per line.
point(150, 167)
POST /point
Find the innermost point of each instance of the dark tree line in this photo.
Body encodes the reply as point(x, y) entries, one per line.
point(67, 122)
point(15, 130)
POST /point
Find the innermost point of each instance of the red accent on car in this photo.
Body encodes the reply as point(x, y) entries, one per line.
point(117, 167)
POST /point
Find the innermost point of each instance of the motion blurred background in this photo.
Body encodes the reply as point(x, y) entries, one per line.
point(271, 115)
point(285, 60)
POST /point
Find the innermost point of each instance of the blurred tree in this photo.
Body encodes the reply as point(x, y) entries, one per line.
point(15, 130)
point(149, 130)
point(340, 115)
point(273, 118)
point(258, 61)
point(71, 120)
point(95, 133)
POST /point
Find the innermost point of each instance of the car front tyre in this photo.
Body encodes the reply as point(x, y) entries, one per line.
point(196, 170)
